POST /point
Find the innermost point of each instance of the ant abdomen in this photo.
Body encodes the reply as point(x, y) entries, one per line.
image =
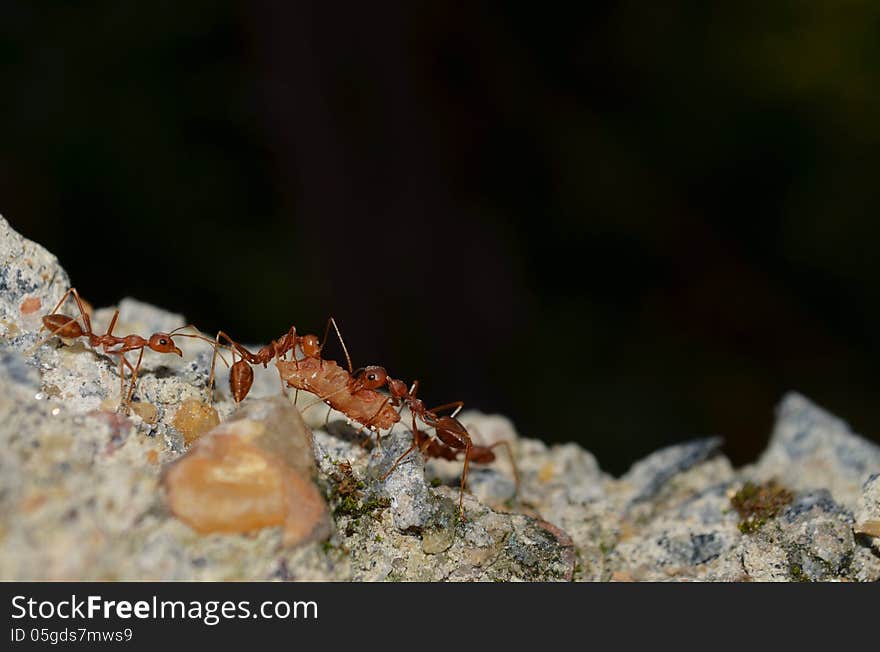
point(451, 432)
point(482, 455)
point(433, 449)
point(241, 377)
point(63, 326)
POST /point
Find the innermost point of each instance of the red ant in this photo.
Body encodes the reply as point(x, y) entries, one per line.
point(241, 374)
point(68, 328)
point(454, 437)
point(476, 453)
point(354, 394)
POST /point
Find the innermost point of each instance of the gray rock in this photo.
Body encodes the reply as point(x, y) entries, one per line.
point(688, 531)
point(812, 540)
point(811, 449)
point(868, 515)
point(31, 283)
point(413, 506)
point(649, 476)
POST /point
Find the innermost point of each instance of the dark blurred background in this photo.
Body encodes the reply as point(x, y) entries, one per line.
point(623, 224)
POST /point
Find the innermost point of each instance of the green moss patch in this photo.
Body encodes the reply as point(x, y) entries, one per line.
point(757, 503)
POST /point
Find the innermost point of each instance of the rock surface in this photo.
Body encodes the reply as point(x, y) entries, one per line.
point(82, 496)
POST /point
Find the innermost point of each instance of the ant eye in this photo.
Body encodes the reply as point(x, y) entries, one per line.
point(163, 341)
point(372, 376)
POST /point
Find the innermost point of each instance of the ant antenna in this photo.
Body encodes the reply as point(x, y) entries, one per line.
point(204, 339)
point(341, 341)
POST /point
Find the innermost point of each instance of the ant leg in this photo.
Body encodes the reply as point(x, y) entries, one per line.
point(213, 365)
point(279, 356)
point(372, 418)
point(458, 405)
point(467, 458)
point(290, 342)
point(123, 363)
point(48, 337)
point(459, 436)
point(398, 461)
point(311, 404)
point(64, 298)
point(54, 332)
point(214, 359)
point(413, 446)
point(113, 322)
point(133, 380)
point(509, 449)
point(82, 311)
point(321, 399)
point(512, 462)
point(283, 387)
point(79, 305)
point(391, 429)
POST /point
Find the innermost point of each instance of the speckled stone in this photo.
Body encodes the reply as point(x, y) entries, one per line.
point(868, 515)
point(812, 449)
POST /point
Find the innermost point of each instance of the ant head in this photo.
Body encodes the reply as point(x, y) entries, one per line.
point(373, 377)
point(162, 343)
point(310, 346)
